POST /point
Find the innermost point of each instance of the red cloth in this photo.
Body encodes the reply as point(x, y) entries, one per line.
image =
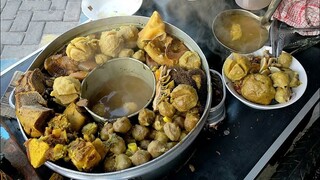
point(300, 14)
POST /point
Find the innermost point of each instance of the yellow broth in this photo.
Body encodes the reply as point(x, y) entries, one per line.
point(122, 96)
point(252, 35)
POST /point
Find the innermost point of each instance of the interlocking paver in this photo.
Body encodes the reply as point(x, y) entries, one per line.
point(3, 3)
point(58, 27)
point(34, 33)
point(35, 5)
point(6, 25)
point(17, 52)
point(72, 12)
point(10, 9)
point(47, 15)
point(21, 22)
point(58, 4)
point(11, 37)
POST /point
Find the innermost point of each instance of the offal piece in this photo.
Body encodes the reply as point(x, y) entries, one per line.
point(59, 151)
point(190, 60)
point(36, 151)
point(59, 65)
point(156, 148)
point(31, 81)
point(235, 31)
point(285, 59)
point(122, 161)
point(282, 94)
point(122, 125)
point(258, 88)
point(82, 48)
point(184, 97)
point(83, 155)
point(111, 43)
point(237, 68)
point(59, 121)
point(66, 90)
point(130, 35)
point(140, 157)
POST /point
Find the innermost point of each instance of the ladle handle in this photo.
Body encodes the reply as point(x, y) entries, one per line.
point(271, 9)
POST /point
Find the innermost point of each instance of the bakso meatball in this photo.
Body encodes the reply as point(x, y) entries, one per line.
point(172, 130)
point(190, 121)
point(140, 157)
point(170, 145)
point(111, 43)
point(158, 123)
point(126, 53)
point(280, 79)
point(146, 117)
point(139, 132)
point(140, 55)
point(182, 135)
point(122, 125)
point(109, 164)
point(130, 35)
point(166, 109)
point(122, 161)
point(106, 131)
point(285, 59)
point(161, 136)
point(144, 144)
point(190, 60)
point(156, 148)
point(117, 144)
point(184, 97)
point(101, 58)
point(179, 120)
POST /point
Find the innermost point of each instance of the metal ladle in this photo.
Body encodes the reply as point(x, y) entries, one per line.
point(257, 41)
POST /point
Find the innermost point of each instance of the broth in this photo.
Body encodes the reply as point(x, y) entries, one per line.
point(250, 38)
point(122, 96)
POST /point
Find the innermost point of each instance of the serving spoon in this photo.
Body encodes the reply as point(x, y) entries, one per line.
point(247, 42)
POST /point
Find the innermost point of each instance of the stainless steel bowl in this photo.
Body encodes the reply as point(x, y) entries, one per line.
point(169, 160)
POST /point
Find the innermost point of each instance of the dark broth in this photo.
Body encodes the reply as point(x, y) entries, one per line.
point(253, 35)
point(122, 96)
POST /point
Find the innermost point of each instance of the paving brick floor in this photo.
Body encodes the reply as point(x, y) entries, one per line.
point(27, 25)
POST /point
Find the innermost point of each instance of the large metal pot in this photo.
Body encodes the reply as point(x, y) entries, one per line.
point(172, 158)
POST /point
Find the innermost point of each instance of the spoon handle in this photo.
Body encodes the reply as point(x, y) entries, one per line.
point(271, 9)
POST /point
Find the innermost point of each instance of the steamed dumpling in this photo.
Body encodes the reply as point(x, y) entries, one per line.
point(111, 43)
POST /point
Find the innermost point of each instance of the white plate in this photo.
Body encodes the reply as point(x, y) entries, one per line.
point(98, 9)
point(296, 92)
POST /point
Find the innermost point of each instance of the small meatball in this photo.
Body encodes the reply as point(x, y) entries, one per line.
point(170, 145)
point(166, 109)
point(110, 43)
point(101, 58)
point(140, 55)
point(158, 123)
point(190, 60)
point(182, 135)
point(106, 131)
point(122, 125)
point(130, 107)
point(117, 144)
point(280, 79)
point(184, 97)
point(109, 164)
point(140, 157)
point(161, 136)
point(89, 130)
point(172, 130)
point(126, 53)
point(146, 117)
point(191, 121)
point(179, 120)
point(98, 109)
point(156, 148)
point(282, 94)
point(130, 35)
point(139, 132)
point(144, 144)
point(285, 59)
point(122, 161)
